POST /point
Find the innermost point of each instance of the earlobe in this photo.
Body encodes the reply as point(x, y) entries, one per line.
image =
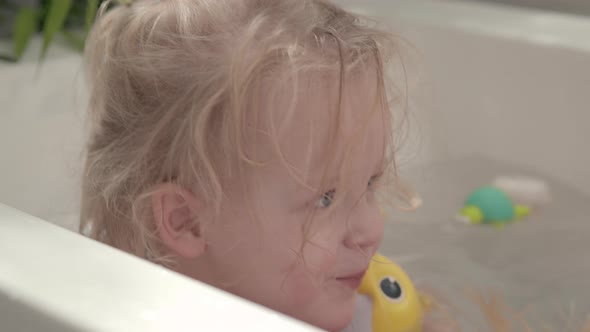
point(176, 214)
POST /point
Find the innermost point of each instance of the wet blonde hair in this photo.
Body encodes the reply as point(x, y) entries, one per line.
point(171, 82)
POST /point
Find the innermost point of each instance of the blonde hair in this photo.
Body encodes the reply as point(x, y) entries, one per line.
point(171, 81)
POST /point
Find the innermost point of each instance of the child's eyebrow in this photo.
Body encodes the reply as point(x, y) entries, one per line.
point(329, 183)
point(332, 181)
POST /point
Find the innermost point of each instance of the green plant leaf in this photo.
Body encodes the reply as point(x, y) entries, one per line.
point(54, 22)
point(25, 25)
point(76, 41)
point(91, 8)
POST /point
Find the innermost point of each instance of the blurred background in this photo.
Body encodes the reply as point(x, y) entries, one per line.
point(496, 87)
point(503, 79)
point(577, 7)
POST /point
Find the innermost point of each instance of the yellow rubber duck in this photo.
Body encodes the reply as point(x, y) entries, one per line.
point(397, 305)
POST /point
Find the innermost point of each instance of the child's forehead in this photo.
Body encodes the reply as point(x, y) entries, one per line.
point(321, 101)
point(311, 125)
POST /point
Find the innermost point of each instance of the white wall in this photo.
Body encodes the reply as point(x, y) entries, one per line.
point(41, 123)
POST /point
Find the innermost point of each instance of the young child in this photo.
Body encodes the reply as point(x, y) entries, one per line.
point(243, 144)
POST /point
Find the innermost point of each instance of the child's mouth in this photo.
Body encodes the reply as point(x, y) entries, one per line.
point(352, 281)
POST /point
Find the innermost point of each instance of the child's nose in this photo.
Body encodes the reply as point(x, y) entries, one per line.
point(364, 227)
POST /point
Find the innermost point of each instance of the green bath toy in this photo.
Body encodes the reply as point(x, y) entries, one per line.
point(490, 205)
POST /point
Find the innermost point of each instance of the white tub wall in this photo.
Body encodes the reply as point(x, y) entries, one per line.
point(580, 7)
point(508, 84)
point(516, 97)
point(41, 134)
point(45, 285)
point(528, 105)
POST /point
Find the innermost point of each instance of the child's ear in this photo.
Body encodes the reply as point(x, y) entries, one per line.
point(176, 214)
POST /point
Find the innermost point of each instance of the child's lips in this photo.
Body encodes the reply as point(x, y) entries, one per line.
point(352, 281)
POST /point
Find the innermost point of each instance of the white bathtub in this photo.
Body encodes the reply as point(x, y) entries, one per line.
point(506, 85)
point(52, 280)
point(577, 7)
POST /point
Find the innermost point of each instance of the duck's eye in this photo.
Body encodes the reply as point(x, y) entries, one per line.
point(391, 288)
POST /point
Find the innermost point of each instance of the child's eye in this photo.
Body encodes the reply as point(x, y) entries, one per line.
point(326, 199)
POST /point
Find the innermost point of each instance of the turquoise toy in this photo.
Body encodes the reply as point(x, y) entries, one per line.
point(490, 205)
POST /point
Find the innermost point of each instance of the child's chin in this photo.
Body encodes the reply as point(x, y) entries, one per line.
point(336, 318)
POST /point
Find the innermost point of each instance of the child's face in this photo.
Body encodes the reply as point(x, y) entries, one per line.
point(308, 270)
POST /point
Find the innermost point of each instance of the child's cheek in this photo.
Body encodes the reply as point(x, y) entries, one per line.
point(320, 253)
point(304, 282)
point(300, 288)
